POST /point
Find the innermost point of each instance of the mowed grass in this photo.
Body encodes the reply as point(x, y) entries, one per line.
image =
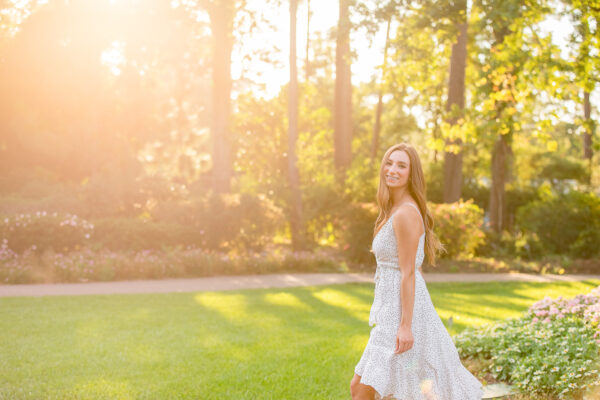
point(299, 343)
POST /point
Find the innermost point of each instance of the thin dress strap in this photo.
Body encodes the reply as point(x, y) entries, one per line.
point(417, 208)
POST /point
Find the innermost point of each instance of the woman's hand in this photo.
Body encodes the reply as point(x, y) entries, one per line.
point(404, 340)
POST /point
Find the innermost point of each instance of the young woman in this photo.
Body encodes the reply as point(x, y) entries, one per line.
point(410, 354)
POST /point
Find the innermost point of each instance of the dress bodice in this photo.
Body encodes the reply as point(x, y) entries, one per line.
point(385, 249)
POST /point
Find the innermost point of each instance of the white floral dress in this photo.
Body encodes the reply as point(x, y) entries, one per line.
point(431, 369)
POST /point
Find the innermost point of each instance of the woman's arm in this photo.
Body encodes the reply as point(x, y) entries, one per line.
point(407, 242)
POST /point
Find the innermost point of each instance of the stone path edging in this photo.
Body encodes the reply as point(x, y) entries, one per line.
point(224, 283)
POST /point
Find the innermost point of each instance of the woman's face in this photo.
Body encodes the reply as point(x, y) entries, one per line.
point(396, 169)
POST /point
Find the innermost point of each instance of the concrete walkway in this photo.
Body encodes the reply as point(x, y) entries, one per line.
point(223, 283)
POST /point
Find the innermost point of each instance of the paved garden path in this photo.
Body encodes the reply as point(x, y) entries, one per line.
point(222, 283)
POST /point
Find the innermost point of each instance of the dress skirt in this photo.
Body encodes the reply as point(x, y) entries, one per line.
point(431, 369)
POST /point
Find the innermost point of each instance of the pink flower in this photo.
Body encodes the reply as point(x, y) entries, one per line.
point(546, 320)
point(535, 319)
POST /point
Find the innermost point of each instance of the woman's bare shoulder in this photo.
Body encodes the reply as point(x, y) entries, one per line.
point(405, 219)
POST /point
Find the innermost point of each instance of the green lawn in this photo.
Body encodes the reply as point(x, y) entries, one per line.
point(300, 343)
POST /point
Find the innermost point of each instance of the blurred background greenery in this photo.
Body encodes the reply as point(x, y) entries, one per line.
point(154, 139)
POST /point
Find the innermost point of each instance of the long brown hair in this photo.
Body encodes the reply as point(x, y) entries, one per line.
point(417, 189)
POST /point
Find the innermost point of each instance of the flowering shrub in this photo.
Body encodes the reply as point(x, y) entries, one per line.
point(582, 306)
point(553, 349)
point(86, 265)
point(13, 269)
point(41, 230)
point(459, 227)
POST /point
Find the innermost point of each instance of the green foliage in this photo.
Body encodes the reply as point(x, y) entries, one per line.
point(558, 168)
point(116, 154)
point(479, 193)
point(564, 223)
point(241, 222)
point(113, 191)
point(517, 197)
point(459, 227)
point(62, 201)
point(137, 234)
point(323, 207)
point(434, 176)
point(26, 191)
point(540, 359)
point(356, 233)
point(506, 245)
point(259, 219)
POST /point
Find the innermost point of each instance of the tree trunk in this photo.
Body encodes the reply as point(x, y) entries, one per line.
point(379, 110)
point(307, 62)
point(456, 96)
point(501, 158)
point(293, 175)
point(342, 129)
point(587, 136)
point(221, 23)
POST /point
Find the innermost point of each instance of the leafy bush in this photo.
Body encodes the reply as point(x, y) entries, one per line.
point(137, 234)
point(508, 245)
point(63, 202)
point(473, 189)
point(114, 191)
point(560, 168)
point(356, 233)
point(564, 223)
point(551, 350)
point(259, 218)
point(41, 230)
point(326, 209)
point(244, 222)
point(458, 225)
point(434, 176)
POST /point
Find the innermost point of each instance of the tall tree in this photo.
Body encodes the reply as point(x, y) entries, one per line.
point(502, 151)
point(417, 76)
point(449, 20)
point(455, 105)
point(508, 72)
point(342, 109)
point(307, 59)
point(589, 129)
point(379, 109)
point(293, 175)
point(222, 14)
point(586, 17)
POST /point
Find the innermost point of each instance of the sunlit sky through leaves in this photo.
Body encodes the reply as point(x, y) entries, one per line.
point(271, 37)
point(323, 19)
